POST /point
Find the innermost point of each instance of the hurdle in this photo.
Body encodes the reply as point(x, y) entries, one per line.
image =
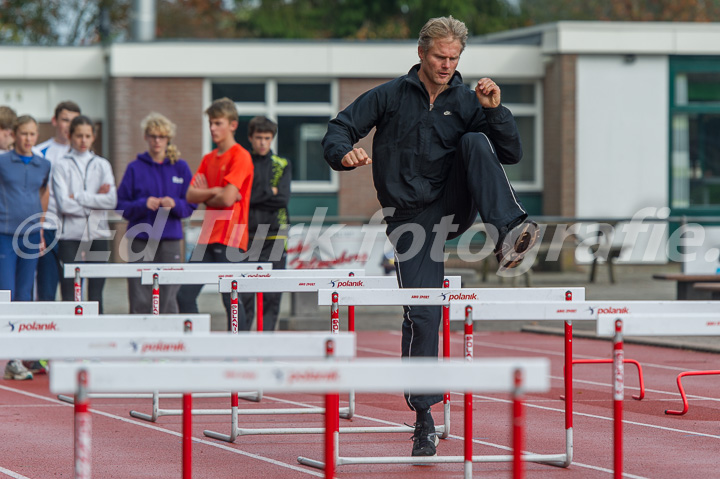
point(170, 346)
point(50, 325)
point(689, 323)
point(201, 277)
point(420, 296)
point(328, 377)
point(447, 297)
point(211, 276)
point(657, 308)
point(134, 270)
point(24, 324)
point(560, 301)
point(264, 282)
point(41, 309)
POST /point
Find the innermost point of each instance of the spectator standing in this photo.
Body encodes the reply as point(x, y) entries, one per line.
point(7, 121)
point(151, 196)
point(268, 219)
point(48, 269)
point(84, 190)
point(222, 183)
point(23, 200)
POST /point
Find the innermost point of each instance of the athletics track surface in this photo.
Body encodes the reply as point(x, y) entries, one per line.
point(36, 428)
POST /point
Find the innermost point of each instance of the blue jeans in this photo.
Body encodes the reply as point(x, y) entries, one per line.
point(48, 269)
point(17, 273)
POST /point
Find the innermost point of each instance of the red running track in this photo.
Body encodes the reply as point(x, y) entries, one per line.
point(37, 434)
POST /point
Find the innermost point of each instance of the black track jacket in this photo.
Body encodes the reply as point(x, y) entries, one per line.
point(414, 145)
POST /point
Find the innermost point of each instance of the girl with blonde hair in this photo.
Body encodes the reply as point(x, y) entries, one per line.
point(151, 197)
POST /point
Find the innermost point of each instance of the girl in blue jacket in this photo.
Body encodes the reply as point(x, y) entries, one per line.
point(151, 197)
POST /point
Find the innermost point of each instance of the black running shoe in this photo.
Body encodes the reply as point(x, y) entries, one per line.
point(514, 242)
point(425, 439)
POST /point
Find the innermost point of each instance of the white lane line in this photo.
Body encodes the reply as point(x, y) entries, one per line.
point(562, 354)
point(594, 416)
point(575, 412)
point(676, 394)
point(12, 474)
point(172, 433)
point(460, 340)
point(556, 353)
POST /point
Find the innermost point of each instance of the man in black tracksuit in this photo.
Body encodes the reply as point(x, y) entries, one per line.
point(268, 219)
point(437, 162)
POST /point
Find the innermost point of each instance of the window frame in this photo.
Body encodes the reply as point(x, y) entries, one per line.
point(527, 110)
point(678, 65)
point(274, 110)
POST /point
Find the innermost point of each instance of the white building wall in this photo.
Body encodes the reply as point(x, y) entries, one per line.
point(622, 148)
point(39, 97)
point(622, 135)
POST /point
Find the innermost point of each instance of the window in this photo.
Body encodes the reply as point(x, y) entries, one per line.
point(302, 111)
point(694, 139)
point(522, 99)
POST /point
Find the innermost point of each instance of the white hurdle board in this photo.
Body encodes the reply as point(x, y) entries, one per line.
point(134, 270)
point(329, 377)
point(283, 345)
point(20, 325)
point(536, 310)
point(486, 375)
point(688, 323)
point(41, 309)
point(314, 284)
point(211, 277)
point(5, 296)
point(445, 296)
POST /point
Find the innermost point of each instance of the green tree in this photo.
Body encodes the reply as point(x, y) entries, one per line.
point(366, 19)
point(543, 11)
point(195, 19)
point(62, 22)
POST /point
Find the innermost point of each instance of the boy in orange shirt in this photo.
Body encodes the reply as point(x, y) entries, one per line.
point(222, 182)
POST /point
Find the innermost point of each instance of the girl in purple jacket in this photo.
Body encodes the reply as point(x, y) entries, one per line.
point(151, 197)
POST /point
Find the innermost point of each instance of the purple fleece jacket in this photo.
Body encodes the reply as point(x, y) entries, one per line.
point(144, 178)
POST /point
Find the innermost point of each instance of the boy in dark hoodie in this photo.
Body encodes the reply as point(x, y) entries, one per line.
point(268, 219)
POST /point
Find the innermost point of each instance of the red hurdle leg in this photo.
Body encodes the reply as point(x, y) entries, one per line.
point(334, 314)
point(351, 315)
point(468, 396)
point(518, 427)
point(446, 355)
point(332, 420)
point(155, 295)
point(82, 429)
point(686, 406)
point(187, 437)
point(234, 308)
point(78, 285)
point(641, 382)
point(568, 388)
point(618, 394)
point(259, 314)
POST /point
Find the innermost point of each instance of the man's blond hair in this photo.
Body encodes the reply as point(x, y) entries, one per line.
point(223, 108)
point(440, 28)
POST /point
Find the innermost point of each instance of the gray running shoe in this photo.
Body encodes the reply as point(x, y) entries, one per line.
point(14, 369)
